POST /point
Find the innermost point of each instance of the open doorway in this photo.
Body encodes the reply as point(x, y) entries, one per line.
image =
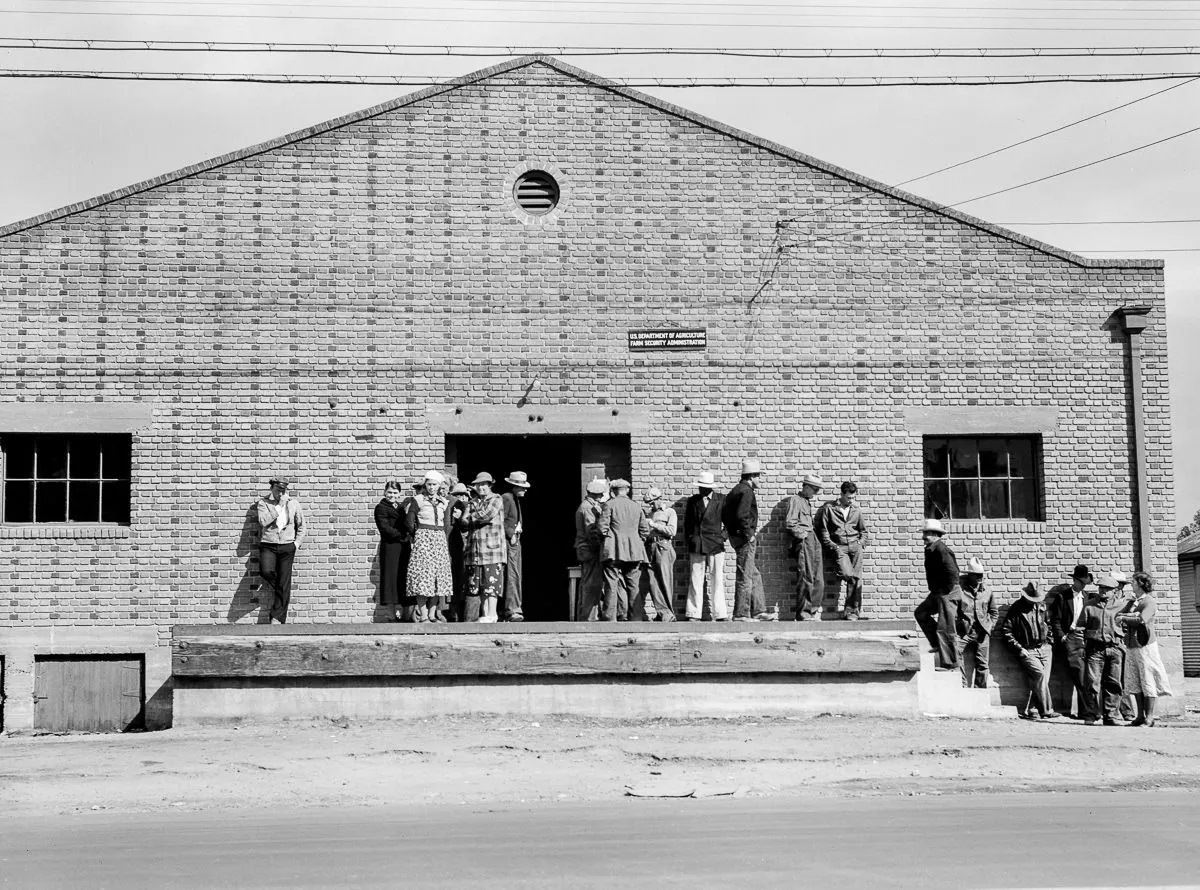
point(559, 467)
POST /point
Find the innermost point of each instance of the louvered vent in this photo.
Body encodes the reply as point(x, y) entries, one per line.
point(536, 192)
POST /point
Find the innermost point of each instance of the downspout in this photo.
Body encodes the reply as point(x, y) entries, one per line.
point(1133, 322)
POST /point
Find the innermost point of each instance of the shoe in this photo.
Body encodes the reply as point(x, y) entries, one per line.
point(764, 616)
point(852, 616)
point(515, 618)
point(1109, 721)
point(1052, 715)
point(1090, 721)
point(1140, 721)
point(726, 619)
point(1027, 715)
point(665, 618)
point(488, 619)
point(815, 616)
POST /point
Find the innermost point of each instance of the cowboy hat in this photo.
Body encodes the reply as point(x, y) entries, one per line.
point(933, 525)
point(1031, 593)
point(1108, 582)
point(518, 479)
point(483, 477)
point(651, 495)
point(813, 480)
point(974, 566)
point(707, 479)
point(459, 488)
point(1120, 578)
point(751, 467)
point(597, 486)
point(1081, 572)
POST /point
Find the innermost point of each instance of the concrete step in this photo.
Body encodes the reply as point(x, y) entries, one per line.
point(941, 694)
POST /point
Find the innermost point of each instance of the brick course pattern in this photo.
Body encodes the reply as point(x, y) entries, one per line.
point(299, 306)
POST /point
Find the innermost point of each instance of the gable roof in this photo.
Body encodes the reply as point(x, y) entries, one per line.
point(596, 81)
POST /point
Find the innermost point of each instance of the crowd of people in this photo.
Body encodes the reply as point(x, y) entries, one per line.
point(451, 551)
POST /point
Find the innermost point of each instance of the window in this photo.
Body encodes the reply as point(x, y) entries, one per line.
point(982, 478)
point(536, 192)
point(69, 478)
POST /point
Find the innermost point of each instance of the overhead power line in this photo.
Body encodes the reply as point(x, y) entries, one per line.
point(689, 5)
point(475, 50)
point(1103, 222)
point(973, 80)
point(1085, 24)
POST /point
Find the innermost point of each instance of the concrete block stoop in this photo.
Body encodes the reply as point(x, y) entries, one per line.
point(941, 694)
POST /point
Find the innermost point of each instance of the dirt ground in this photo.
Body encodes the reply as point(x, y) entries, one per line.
point(471, 761)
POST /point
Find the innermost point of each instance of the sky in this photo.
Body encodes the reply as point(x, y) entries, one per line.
point(64, 140)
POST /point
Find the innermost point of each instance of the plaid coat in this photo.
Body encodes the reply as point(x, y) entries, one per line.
point(483, 522)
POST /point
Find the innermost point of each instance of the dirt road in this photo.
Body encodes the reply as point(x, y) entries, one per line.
point(504, 760)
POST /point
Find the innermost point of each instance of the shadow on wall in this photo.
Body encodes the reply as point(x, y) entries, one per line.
point(779, 584)
point(245, 598)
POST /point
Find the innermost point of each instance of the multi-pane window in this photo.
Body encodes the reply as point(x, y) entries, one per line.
point(969, 477)
point(65, 478)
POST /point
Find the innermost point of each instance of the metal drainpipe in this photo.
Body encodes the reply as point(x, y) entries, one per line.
point(1133, 322)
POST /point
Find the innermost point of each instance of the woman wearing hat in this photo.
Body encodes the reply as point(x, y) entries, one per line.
point(393, 534)
point(1145, 675)
point(430, 581)
point(1026, 630)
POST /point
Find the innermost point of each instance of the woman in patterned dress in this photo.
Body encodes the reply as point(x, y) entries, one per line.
point(430, 581)
point(1145, 676)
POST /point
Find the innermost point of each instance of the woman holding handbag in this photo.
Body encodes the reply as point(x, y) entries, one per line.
point(1145, 676)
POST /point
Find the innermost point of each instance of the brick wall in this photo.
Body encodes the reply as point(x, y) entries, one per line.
point(301, 307)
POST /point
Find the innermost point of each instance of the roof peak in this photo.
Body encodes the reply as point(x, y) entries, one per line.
point(588, 77)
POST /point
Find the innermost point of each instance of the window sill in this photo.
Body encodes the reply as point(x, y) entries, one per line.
point(64, 531)
point(992, 526)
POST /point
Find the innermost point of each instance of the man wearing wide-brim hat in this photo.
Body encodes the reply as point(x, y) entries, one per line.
point(980, 614)
point(705, 536)
point(1026, 631)
point(941, 612)
point(1064, 605)
point(740, 516)
point(281, 531)
point(588, 541)
point(622, 526)
point(804, 544)
point(1104, 639)
point(514, 528)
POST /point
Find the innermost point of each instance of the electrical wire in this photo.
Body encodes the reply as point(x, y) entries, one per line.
point(477, 50)
point(1124, 28)
point(637, 82)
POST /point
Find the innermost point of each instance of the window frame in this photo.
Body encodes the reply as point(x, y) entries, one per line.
point(1034, 478)
point(104, 483)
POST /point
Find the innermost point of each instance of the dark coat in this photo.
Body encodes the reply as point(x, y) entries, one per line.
point(941, 568)
point(513, 511)
point(623, 525)
point(1025, 626)
point(1058, 606)
point(1100, 626)
point(393, 541)
point(740, 514)
point(702, 529)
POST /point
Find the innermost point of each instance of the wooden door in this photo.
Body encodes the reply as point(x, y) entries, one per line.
point(88, 693)
point(603, 457)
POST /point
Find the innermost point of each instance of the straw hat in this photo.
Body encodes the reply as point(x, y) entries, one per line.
point(518, 479)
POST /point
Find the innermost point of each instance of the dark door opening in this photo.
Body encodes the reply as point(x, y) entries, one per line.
point(559, 468)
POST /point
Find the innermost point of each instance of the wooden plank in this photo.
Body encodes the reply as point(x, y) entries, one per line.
point(787, 628)
point(74, 694)
point(433, 655)
point(747, 653)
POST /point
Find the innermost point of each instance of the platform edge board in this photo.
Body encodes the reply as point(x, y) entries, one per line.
point(568, 654)
point(827, 628)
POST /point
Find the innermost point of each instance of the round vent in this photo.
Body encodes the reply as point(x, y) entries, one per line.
point(536, 192)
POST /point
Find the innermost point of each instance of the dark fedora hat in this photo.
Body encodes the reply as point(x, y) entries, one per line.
point(1082, 572)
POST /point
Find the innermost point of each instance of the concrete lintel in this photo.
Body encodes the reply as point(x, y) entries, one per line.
point(75, 417)
point(533, 420)
point(980, 420)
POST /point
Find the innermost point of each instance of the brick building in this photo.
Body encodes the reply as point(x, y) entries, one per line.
point(452, 279)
